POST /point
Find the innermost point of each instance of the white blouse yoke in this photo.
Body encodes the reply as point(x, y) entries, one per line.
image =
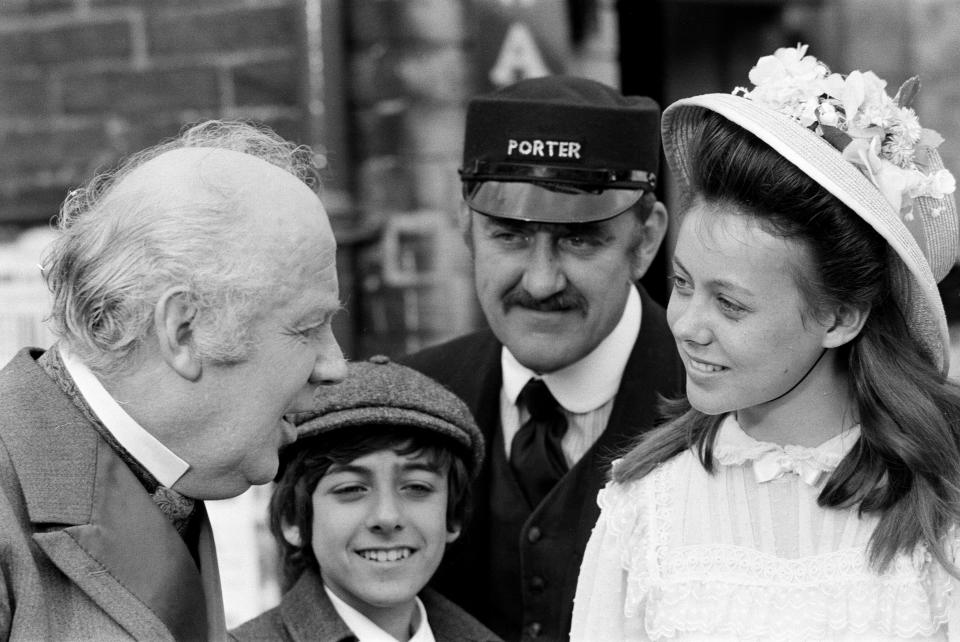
point(748, 554)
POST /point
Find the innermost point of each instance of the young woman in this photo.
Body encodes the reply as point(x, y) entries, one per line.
point(808, 487)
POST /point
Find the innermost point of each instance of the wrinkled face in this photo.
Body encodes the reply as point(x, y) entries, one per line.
point(552, 292)
point(736, 312)
point(234, 443)
point(380, 529)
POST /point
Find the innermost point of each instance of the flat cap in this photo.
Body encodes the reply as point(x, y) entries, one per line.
point(381, 392)
point(570, 135)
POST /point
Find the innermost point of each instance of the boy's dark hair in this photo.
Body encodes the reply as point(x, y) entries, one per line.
point(305, 463)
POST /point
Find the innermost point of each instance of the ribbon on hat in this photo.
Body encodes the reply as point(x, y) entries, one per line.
point(776, 463)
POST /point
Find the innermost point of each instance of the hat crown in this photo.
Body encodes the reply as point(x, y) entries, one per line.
point(880, 135)
point(381, 392)
point(600, 138)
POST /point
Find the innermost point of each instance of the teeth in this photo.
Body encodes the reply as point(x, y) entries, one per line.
point(704, 367)
point(386, 555)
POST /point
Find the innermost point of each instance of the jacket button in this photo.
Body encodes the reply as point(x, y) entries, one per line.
point(537, 584)
point(534, 535)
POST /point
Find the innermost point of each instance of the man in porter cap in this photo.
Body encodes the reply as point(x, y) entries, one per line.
point(561, 220)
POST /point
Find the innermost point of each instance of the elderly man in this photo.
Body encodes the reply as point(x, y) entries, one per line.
point(561, 222)
point(193, 291)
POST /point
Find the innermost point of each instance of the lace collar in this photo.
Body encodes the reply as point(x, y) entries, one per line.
point(734, 447)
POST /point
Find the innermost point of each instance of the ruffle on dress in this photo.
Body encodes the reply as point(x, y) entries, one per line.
point(652, 579)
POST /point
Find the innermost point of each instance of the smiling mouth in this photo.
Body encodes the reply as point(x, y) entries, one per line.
point(702, 366)
point(385, 554)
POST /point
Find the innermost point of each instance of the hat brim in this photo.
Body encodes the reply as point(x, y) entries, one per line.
point(913, 282)
point(532, 202)
point(350, 418)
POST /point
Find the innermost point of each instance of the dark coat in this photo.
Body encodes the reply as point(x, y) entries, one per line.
point(85, 554)
point(306, 614)
point(533, 597)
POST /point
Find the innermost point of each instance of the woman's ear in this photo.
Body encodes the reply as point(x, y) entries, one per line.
point(465, 225)
point(453, 533)
point(846, 323)
point(292, 535)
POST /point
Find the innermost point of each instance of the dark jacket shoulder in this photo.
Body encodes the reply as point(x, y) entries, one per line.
point(450, 623)
point(305, 613)
point(457, 362)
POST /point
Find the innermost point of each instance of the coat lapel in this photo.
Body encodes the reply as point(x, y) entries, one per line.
point(97, 524)
point(309, 615)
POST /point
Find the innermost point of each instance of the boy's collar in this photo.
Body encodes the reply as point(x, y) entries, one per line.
point(365, 629)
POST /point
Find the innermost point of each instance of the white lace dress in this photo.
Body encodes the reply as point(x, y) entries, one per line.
point(685, 555)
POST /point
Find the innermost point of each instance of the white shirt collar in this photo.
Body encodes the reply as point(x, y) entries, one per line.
point(367, 631)
point(159, 460)
point(593, 380)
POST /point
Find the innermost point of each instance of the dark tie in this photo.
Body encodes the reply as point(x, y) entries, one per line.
point(535, 454)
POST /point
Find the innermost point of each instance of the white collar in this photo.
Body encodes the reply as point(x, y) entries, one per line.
point(592, 381)
point(367, 631)
point(734, 447)
point(159, 460)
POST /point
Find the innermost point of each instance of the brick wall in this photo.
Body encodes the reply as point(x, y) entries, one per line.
point(86, 81)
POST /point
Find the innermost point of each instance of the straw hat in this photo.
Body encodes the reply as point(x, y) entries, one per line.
point(922, 248)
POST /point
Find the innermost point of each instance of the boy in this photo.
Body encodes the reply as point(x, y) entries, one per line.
point(375, 487)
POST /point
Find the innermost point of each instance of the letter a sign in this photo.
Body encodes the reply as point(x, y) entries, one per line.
point(519, 39)
point(519, 57)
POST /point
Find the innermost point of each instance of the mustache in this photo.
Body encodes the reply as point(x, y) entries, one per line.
point(562, 301)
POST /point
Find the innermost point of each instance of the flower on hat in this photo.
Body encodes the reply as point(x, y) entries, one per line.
point(880, 135)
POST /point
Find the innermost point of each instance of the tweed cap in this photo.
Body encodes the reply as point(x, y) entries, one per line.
point(921, 252)
point(559, 149)
point(381, 392)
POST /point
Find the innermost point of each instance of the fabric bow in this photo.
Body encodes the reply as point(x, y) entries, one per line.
point(775, 463)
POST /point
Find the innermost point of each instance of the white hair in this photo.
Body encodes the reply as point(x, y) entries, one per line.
point(117, 253)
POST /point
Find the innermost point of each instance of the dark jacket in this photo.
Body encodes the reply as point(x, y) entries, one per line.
point(85, 554)
point(306, 614)
point(526, 590)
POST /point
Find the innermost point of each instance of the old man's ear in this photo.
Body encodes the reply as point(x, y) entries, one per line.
point(174, 318)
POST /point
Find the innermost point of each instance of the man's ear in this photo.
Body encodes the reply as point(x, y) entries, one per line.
point(845, 324)
point(174, 317)
point(453, 533)
point(292, 535)
point(651, 233)
point(465, 225)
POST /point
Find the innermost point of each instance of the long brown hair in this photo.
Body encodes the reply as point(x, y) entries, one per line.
point(906, 464)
